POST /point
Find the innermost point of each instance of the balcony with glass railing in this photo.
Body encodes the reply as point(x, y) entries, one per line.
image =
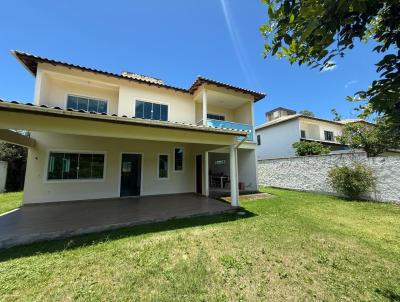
point(232, 125)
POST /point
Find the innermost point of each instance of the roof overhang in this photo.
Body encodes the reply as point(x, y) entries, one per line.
point(35, 118)
point(30, 62)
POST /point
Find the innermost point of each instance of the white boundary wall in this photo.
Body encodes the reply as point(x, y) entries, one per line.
point(309, 173)
point(3, 175)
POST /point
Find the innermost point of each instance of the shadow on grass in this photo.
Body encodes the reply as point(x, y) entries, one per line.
point(388, 294)
point(75, 242)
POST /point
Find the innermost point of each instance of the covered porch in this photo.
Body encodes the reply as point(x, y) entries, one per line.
point(46, 221)
point(56, 132)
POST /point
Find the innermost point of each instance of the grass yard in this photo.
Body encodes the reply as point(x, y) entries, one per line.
point(10, 201)
point(295, 246)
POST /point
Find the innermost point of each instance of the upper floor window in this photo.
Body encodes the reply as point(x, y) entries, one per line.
point(151, 111)
point(63, 166)
point(258, 140)
point(303, 133)
point(87, 104)
point(213, 116)
point(328, 135)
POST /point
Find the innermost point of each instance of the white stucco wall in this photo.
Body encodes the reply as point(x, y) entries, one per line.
point(37, 189)
point(309, 173)
point(3, 175)
point(247, 166)
point(277, 140)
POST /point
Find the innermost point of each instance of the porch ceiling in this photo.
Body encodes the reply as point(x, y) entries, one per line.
point(57, 120)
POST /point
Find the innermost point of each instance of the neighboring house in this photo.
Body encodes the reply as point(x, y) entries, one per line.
point(96, 134)
point(284, 127)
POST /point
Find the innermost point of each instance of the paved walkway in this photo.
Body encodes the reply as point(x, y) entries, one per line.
point(63, 219)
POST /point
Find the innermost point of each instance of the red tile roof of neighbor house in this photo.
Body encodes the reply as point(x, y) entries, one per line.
point(15, 106)
point(31, 62)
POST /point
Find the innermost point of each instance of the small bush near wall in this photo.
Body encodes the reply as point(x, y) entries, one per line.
point(304, 148)
point(352, 181)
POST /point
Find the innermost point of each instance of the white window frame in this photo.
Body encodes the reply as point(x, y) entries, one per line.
point(88, 97)
point(333, 135)
point(151, 101)
point(183, 159)
point(158, 166)
point(46, 167)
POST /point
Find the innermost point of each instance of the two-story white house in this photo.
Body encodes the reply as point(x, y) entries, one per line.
point(284, 127)
point(96, 134)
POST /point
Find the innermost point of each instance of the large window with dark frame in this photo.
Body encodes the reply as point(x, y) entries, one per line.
point(151, 111)
point(163, 166)
point(328, 135)
point(67, 166)
point(87, 104)
point(178, 159)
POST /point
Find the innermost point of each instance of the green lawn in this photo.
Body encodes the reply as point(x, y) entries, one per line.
point(295, 246)
point(10, 201)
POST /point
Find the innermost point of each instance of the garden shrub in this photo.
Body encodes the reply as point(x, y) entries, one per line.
point(304, 148)
point(352, 181)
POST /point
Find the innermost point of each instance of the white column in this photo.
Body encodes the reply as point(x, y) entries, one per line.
point(234, 175)
point(204, 107)
point(206, 176)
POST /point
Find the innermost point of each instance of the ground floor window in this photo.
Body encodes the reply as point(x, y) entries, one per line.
point(163, 166)
point(178, 159)
point(64, 166)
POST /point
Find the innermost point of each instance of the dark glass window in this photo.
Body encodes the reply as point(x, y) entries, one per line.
point(151, 111)
point(139, 109)
point(75, 166)
point(213, 116)
point(164, 112)
point(328, 135)
point(156, 112)
point(178, 159)
point(163, 166)
point(258, 140)
point(148, 108)
point(303, 133)
point(86, 104)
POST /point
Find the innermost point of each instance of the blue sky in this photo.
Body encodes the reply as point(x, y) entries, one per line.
point(175, 41)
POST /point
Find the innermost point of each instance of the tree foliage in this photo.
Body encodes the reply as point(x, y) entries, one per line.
point(314, 32)
point(352, 181)
point(336, 115)
point(15, 156)
point(307, 112)
point(374, 139)
point(304, 148)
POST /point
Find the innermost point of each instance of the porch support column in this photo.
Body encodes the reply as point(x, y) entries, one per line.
point(204, 92)
point(233, 174)
point(206, 176)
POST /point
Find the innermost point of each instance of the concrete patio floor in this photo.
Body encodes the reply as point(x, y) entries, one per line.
point(39, 222)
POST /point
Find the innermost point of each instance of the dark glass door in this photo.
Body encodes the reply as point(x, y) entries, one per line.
point(131, 171)
point(199, 173)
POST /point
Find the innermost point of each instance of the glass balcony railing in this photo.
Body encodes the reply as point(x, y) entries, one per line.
point(232, 125)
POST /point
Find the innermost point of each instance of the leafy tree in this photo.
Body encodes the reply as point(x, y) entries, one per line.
point(336, 115)
point(352, 181)
point(307, 112)
point(16, 158)
point(314, 32)
point(304, 148)
point(373, 139)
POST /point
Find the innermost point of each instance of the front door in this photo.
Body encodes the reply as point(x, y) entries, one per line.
point(199, 173)
point(131, 171)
